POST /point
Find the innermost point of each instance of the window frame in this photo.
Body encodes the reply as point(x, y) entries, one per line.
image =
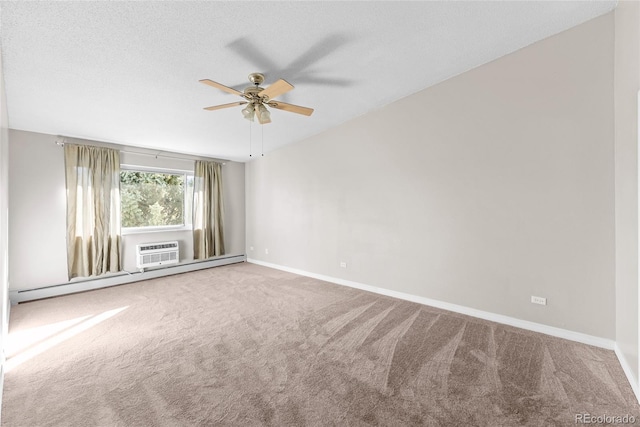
point(158, 228)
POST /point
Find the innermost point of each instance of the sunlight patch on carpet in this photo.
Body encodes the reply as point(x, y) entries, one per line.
point(24, 345)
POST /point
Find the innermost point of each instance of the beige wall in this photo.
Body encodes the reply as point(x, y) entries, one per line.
point(481, 191)
point(4, 223)
point(37, 225)
point(38, 211)
point(627, 84)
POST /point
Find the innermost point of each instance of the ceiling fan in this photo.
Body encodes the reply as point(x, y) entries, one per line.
point(257, 98)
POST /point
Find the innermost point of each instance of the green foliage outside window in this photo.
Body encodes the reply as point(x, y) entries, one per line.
point(152, 199)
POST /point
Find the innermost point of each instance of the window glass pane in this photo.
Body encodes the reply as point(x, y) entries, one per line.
point(152, 198)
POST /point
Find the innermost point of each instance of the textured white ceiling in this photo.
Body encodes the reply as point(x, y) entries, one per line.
point(127, 72)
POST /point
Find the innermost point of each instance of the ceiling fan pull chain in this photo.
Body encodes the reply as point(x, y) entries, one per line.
point(249, 138)
point(262, 148)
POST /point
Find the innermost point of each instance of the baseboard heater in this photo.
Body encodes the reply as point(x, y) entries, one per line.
point(121, 279)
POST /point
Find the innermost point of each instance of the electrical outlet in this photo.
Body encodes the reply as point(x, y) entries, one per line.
point(538, 300)
point(266, 251)
point(343, 264)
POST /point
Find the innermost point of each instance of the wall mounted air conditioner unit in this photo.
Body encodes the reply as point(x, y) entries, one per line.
point(159, 253)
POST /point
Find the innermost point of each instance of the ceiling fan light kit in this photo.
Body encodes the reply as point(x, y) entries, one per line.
point(248, 112)
point(264, 116)
point(257, 98)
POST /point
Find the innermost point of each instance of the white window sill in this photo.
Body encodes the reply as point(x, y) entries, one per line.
point(159, 229)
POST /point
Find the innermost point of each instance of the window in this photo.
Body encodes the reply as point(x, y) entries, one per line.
point(155, 199)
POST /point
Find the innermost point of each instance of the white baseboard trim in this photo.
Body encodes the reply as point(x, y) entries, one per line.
point(3, 358)
point(628, 372)
point(498, 318)
point(24, 295)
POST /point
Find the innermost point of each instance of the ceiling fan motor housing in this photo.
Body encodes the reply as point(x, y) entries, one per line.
point(251, 94)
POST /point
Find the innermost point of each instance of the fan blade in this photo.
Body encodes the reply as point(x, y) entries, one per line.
point(218, 107)
point(221, 87)
point(291, 108)
point(278, 88)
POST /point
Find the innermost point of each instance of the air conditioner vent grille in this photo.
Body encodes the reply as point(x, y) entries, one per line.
point(151, 247)
point(159, 253)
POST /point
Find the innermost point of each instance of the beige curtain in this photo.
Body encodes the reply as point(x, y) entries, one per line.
point(93, 210)
point(208, 237)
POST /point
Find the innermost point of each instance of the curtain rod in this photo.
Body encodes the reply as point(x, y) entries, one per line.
point(61, 140)
point(191, 157)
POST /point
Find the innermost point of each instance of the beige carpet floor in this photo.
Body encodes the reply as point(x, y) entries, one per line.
point(244, 345)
